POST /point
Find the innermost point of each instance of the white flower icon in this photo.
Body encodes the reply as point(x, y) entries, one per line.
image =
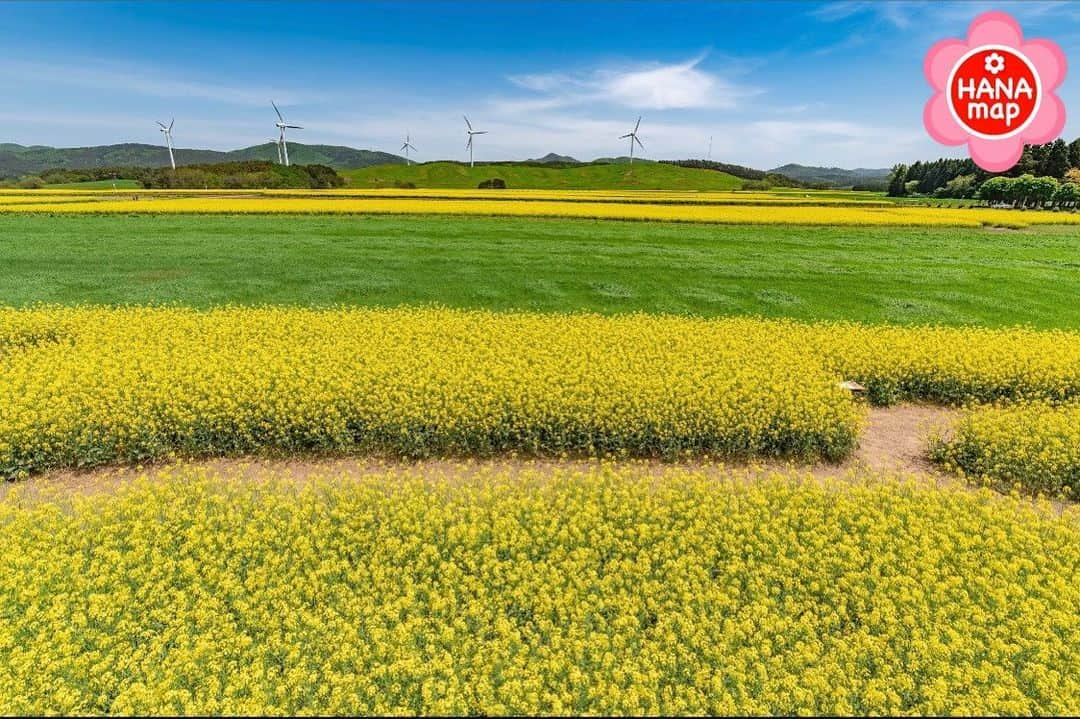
point(994, 63)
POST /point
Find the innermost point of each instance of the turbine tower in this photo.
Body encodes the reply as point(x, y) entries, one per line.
point(633, 138)
point(167, 131)
point(406, 147)
point(470, 132)
point(283, 147)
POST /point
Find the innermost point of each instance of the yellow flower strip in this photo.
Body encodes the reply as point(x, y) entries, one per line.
point(948, 364)
point(15, 201)
point(720, 214)
point(527, 194)
point(1034, 447)
point(596, 592)
point(89, 386)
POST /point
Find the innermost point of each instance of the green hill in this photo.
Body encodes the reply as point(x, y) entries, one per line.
point(18, 160)
point(639, 176)
point(98, 185)
point(334, 156)
point(834, 176)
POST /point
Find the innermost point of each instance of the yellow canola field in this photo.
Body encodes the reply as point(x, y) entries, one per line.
point(88, 386)
point(1034, 447)
point(775, 213)
point(734, 197)
point(674, 196)
point(951, 365)
point(599, 591)
point(91, 386)
point(55, 199)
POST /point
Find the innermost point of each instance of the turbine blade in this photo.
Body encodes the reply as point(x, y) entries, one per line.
point(481, 132)
point(638, 142)
point(467, 123)
point(171, 123)
point(403, 147)
point(638, 123)
point(623, 137)
point(295, 127)
point(277, 111)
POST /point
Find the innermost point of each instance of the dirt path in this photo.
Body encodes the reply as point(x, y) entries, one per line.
point(894, 441)
point(895, 438)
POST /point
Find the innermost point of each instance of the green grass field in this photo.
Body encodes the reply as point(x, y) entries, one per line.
point(902, 275)
point(639, 176)
point(98, 185)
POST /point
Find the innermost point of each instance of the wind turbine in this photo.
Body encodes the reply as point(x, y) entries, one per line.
point(406, 147)
point(633, 138)
point(470, 132)
point(167, 131)
point(281, 125)
point(710, 149)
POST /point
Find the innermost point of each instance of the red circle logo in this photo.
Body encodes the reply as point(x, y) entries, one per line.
point(994, 91)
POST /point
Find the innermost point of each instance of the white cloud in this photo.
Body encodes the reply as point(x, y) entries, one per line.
point(667, 87)
point(921, 15)
point(897, 14)
point(651, 86)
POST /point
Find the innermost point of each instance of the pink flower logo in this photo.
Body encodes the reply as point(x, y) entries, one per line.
point(994, 91)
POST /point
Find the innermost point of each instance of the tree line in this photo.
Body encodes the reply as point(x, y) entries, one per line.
point(247, 174)
point(1045, 174)
point(755, 179)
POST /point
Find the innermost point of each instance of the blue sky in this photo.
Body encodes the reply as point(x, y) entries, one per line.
point(836, 83)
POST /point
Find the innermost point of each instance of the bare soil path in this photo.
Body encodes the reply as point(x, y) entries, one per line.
point(895, 438)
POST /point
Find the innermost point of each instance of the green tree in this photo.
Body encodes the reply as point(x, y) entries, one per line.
point(896, 180)
point(1074, 153)
point(1020, 189)
point(1057, 159)
point(914, 172)
point(1042, 190)
point(1028, 164)
point(996, 189)
point(1067, 194)
point(960, 186)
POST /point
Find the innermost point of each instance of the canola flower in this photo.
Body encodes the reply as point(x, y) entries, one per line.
point(636, 196)
point(950, 365)
point(87, 386)
point(1031, 446)
point(777, 212)
point(676, 196)
point(31, 200)
point(600, 591)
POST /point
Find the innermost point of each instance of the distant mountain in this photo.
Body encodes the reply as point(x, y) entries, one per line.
point(624, 159)
point(837, 176)
point(336, 156)
point(552, 157)
point(17, 160)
